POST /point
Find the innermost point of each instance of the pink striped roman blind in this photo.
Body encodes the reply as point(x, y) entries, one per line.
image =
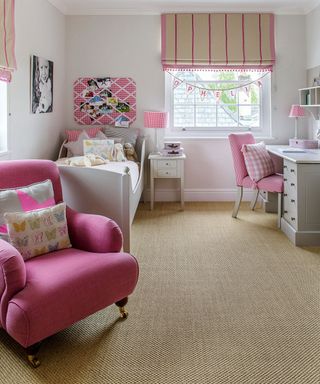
point(217, 40)
point(7, 36)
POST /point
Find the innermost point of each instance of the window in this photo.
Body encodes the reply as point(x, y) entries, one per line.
point(3, 116)
point(214, 103)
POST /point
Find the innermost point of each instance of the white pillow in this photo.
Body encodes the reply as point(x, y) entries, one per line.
point(76, 147)
point(103, 148)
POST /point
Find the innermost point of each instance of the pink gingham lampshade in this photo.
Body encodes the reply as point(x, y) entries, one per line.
point(153, 119)
point(296, 111)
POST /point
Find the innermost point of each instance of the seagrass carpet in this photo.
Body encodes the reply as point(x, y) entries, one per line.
point(219, 300)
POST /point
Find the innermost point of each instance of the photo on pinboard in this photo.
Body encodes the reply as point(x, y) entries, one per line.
point(41, 85)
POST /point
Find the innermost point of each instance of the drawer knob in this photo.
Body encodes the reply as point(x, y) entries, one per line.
point(285, 179)
point(285, 166)
point(293, 219)
point(285, 211)
point(285, 194)
point(292, 200)
point(292, 170)
point(292, 184)
point(167, 163)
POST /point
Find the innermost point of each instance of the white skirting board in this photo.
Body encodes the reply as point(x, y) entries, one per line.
point(198, 195)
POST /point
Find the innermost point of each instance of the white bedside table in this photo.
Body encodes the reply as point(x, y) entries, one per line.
point(167, 167)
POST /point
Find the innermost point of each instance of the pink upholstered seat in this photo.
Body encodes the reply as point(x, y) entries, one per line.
point(272, 183)
point(48, 293)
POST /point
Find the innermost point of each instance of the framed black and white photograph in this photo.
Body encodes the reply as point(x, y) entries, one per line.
point(41, 85)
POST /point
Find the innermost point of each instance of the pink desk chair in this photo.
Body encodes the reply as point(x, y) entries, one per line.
point(272, 183)
point(45, 294)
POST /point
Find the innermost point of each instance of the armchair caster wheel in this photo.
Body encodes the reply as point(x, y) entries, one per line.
point(123, 313)
point(33, 361)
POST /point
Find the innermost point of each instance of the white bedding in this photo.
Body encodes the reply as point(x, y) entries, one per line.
point(113, 166)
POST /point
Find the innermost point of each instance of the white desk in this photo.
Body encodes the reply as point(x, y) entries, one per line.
point(301, 197)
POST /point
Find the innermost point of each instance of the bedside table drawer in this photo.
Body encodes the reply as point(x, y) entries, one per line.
point(164, 164)
point(166, 172)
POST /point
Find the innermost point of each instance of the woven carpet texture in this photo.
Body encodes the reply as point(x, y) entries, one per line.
point(219, 300)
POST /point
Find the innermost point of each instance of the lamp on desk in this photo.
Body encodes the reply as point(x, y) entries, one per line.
point(296, 111)
point(156, 120)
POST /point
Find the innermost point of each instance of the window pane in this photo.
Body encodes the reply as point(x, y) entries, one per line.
point(206, 116)
point(184, 116)
point(226, 117)
point(249, 116)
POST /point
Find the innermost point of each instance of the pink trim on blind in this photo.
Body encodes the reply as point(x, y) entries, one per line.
point(5, 75)
point(272, 47)
point(163, 37)
point(208, 67)
point(209, 21)
point(5, 33)
point(243, 41)
point(175, 38)
point(226, 35)
point(192, 21)
point(260, 38)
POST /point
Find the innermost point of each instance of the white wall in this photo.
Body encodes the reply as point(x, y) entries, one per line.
point(130, 46)
point(313, 56)
point(40, 30)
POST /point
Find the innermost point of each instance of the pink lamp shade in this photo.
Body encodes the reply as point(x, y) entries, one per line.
point(296, 111)
point(153, 119)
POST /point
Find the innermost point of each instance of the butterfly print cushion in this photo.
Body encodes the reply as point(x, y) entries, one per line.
point(24, 199)
point(40, 231)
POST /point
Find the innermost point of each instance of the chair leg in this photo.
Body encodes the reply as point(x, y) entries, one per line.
point(123, 312)
point(237, 202)
point(32, 352)
point(279, 209)
point(254, 199)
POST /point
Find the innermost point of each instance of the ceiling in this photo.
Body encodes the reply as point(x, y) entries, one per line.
point(151, 7)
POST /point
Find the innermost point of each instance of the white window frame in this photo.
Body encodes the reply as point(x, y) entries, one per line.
point(264, 131)
point(3, 118)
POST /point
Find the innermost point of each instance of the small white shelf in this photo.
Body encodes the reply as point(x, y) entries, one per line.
point(310, 98)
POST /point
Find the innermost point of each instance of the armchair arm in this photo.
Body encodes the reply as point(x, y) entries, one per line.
point(93, 233)
point(12, 276)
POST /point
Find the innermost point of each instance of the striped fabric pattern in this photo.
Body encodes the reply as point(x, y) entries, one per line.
point(73, 134)
point(154, 119)
point(7, 40)
point(202, 40)
point(258, 161)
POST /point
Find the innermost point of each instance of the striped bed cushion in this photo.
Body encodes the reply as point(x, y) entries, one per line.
point(73, 134)
point(126, 134)
point(258, 161)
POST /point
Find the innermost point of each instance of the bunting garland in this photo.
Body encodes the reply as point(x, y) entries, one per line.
point(217, 93)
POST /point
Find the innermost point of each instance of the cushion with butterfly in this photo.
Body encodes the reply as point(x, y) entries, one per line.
point(38, 232)
point(23, 199)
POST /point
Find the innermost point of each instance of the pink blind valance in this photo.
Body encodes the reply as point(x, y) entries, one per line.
point(217, 40)
point(7, 36)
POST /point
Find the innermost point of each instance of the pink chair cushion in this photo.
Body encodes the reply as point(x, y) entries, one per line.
point(59, 291)
point(273, 183)
point(237, 140)
point(258, 161)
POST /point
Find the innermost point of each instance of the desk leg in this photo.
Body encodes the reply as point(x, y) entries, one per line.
point(182, 185)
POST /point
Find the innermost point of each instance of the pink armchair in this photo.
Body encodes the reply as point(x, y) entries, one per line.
point(273, 183)
point(45, 294)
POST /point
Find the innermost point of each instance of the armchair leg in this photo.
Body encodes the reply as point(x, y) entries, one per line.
point(254, 199)
point(237, 203)
point(123, 312)
point(32, 352)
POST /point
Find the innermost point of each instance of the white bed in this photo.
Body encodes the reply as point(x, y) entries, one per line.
point(113, 190)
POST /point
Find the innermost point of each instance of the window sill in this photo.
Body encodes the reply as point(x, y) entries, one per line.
point(209, 138)
point(5, 155)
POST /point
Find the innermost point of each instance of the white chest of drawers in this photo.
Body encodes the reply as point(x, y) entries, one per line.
point(301, 195)
point(162, 167)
